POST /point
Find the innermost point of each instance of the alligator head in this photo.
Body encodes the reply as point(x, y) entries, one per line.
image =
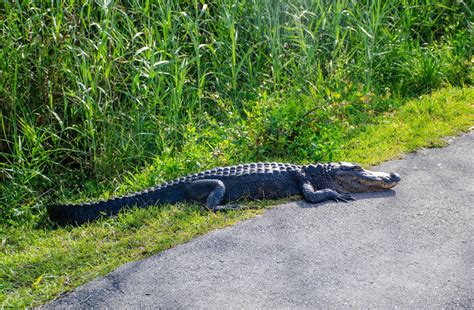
point(350, 178)
point(355, 179)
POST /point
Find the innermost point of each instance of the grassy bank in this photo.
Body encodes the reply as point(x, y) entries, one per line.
point(100, 98)
point(38, 264)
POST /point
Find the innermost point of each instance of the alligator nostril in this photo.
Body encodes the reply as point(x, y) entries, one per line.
point(395, 177)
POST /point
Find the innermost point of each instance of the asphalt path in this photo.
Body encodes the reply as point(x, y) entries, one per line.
point(408, 248)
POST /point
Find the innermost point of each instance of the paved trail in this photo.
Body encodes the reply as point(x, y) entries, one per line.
point(412, 247)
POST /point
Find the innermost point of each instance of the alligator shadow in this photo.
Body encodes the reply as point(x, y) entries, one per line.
point(357, 196)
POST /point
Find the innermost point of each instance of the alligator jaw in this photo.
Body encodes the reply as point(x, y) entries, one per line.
point(379, 179)
point(353, 178)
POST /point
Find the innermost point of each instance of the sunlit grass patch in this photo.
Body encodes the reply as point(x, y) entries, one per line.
point(38, 266)
point(422, 122)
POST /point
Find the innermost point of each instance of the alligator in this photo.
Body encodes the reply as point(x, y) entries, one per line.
point(315, 182)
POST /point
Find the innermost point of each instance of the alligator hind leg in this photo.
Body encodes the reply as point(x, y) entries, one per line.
point(210, 189)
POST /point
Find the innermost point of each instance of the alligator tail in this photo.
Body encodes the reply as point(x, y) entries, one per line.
point(76, 214)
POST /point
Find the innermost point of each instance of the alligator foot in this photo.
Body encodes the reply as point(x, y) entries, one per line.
point(315, 196)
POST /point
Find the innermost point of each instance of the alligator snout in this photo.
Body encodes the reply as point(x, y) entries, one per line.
point(390, 181)
point(395, 177)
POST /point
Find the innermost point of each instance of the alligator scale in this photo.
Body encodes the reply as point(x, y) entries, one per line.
point(216, 187)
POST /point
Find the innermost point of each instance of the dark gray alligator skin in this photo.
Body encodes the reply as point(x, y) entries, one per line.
point(218, 186)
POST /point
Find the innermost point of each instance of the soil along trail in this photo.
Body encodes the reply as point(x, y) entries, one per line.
point(411, 247)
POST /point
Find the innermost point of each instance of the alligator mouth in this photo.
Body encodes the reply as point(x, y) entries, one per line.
point(368, 181)
point(383, 180)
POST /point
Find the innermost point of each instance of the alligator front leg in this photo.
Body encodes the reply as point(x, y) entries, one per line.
point(314, 196)
point(210, 189)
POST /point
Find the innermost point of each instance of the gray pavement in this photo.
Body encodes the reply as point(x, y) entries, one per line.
point(408, 248)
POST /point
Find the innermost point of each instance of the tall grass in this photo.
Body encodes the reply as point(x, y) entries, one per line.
point(91, 89)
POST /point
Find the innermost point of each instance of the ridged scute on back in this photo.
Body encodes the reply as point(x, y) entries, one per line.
point(251, 168)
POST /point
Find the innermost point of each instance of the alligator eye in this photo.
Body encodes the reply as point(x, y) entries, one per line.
point(345, 166)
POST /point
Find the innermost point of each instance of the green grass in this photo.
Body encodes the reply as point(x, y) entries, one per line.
point(424, 122)
point(100, 98)
point(39, 264)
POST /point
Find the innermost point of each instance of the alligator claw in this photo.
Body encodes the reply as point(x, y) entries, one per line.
point(349, 197)
point(343, 197)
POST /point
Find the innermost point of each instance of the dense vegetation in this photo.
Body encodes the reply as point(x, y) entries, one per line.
point(102, 97)
point(91, 90)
